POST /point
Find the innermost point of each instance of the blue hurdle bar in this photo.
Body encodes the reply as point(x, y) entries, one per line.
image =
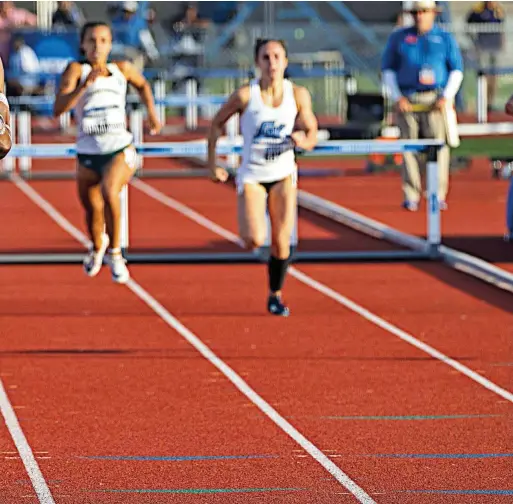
point(199, 148)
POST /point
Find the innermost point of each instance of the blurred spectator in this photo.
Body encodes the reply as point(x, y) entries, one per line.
point(488, 39)
point(132, 39)
point(23, 70)
point(144, 10)
point(190, 23)
point(67, 15)
point(189, 32)
point(114, 9)
point(11, 16)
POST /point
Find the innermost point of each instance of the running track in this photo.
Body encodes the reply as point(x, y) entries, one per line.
point(117, 406)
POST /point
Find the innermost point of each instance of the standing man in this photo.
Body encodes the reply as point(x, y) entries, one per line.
point(422, 72)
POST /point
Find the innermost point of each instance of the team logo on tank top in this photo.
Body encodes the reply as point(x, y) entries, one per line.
point(269, 143)
point(269, 129)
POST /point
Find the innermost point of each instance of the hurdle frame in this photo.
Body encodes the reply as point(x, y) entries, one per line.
point(427, 250)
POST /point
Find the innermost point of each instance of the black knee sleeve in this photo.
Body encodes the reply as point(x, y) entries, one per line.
point(277, 269)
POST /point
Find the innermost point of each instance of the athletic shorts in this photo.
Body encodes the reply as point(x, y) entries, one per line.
point(241, 180)
point(99, 162)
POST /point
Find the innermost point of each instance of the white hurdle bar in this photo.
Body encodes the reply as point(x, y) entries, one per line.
point(25, 138)
point(125, 215)
point(482, 98)
point(136, 125)
point(191, 112)
point(159, 92)
point(21, 134)
point(232, 132)
point(9, 162)
point(434, 227)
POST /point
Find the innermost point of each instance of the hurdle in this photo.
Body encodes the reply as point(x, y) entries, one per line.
point(21, 122)
point(21, 133)
point(428, 251)
point(159, 92)
point(190, 101)
point(135, 121)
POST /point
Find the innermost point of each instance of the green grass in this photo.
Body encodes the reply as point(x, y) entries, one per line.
point(470, 147)
point(489, 147)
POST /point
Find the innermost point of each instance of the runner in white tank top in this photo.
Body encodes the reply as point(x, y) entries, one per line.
point(106, 156)
point(101, 113)
point(268, 153)
point(270, 108)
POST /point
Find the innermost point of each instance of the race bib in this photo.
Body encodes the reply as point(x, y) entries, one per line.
point(427, 76)
point(266, 152)
point(101, 122)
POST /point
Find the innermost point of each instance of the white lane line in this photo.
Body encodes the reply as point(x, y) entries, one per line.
point(408, 338)
point(20, 441)
point(339, 298)
point(256, 399)
point(186, 211)
point(50, 210)
point(208, 354)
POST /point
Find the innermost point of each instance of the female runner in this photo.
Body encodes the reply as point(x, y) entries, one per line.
point(269, 108)
point(106, 156)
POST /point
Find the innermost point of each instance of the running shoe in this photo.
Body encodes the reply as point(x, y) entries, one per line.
point(118, 269)
point(93, 261)
point(276, 307)
point(411, 206)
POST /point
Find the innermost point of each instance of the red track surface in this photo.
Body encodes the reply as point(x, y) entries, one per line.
point(93, 372)
point(475, 222)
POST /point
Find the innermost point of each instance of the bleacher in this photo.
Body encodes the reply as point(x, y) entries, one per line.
point(354, 35)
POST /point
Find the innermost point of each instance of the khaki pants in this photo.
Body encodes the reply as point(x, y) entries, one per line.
point(425, 125)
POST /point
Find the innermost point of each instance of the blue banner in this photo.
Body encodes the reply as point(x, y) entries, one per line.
point(54, 50)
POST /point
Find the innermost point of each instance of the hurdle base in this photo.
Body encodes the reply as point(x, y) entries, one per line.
point(222, 257)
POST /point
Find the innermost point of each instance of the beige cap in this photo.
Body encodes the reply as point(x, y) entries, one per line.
point(130, 6)
point(420, 5)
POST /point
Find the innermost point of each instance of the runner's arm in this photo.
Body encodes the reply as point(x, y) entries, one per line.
point(69, 91)
point(236, 104)
point(136, 79)
point(306, 119)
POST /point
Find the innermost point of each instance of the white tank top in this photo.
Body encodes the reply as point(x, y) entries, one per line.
point(268, 153)
point(101, 113)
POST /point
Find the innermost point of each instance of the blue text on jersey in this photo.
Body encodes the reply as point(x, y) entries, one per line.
point(269, 129)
